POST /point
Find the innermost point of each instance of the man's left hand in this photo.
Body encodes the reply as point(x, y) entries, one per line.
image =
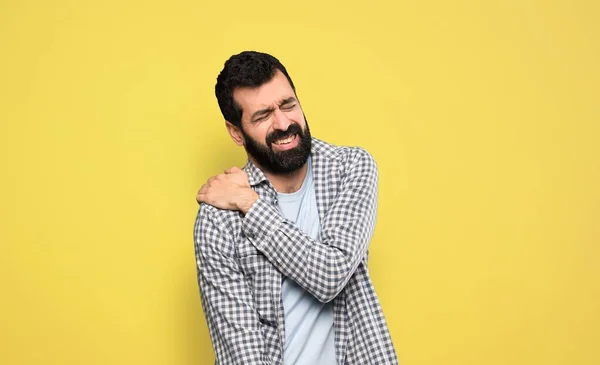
point(230, 190)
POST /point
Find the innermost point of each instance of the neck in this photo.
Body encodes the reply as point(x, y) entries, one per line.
point(289, 182)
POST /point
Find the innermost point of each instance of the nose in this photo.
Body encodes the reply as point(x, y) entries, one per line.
point(280, 120)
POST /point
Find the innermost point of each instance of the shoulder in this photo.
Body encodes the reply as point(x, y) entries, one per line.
point(347, 157)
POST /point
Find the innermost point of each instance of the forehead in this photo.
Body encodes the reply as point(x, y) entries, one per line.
point(264, 96)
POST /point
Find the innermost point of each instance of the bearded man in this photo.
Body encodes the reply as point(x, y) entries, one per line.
point(282, 244)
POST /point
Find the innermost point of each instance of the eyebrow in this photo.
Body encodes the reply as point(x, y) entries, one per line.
point(289, 100)
point(269, 110)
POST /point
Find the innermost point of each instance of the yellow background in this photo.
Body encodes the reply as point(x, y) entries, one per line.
point(483, 116)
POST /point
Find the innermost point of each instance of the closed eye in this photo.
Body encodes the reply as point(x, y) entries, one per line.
point(261, 119)
point(261, 115)
point(287, 107)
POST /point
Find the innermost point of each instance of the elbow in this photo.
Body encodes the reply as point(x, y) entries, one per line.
point(327, 298)
point(330, 291)
point(330, 283)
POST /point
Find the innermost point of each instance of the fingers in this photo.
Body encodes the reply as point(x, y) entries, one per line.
point(233, 176)
point(201, 196)
point(232, 170)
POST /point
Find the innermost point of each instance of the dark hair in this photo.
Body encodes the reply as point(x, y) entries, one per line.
point(247, 69)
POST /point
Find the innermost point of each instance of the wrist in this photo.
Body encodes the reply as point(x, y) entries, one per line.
point(246, 200)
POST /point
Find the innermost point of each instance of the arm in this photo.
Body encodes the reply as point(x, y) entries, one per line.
point(324, 267)
point(227, 301)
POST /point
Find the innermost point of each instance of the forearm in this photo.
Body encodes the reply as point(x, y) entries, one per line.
point(322, 267)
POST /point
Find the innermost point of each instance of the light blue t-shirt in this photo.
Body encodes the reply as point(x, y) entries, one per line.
point(309, 333)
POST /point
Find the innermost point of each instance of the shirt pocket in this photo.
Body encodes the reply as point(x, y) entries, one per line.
point(258, 273)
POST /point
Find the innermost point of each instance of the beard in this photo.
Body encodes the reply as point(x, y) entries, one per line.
point(280, 162)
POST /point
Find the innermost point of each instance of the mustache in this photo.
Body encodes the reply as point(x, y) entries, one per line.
point(292, 129)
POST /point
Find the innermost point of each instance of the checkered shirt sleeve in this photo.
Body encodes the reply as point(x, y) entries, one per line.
point(227, 300)
point(322, 267)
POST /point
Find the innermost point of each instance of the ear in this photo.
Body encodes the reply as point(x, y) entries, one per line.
point(235, 133)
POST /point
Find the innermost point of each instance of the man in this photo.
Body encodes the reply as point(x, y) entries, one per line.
point(282, 245)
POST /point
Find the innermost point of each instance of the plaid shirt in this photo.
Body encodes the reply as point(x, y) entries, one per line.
point(241, 262)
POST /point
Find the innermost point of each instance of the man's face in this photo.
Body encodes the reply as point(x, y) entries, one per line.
point(276, 135)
